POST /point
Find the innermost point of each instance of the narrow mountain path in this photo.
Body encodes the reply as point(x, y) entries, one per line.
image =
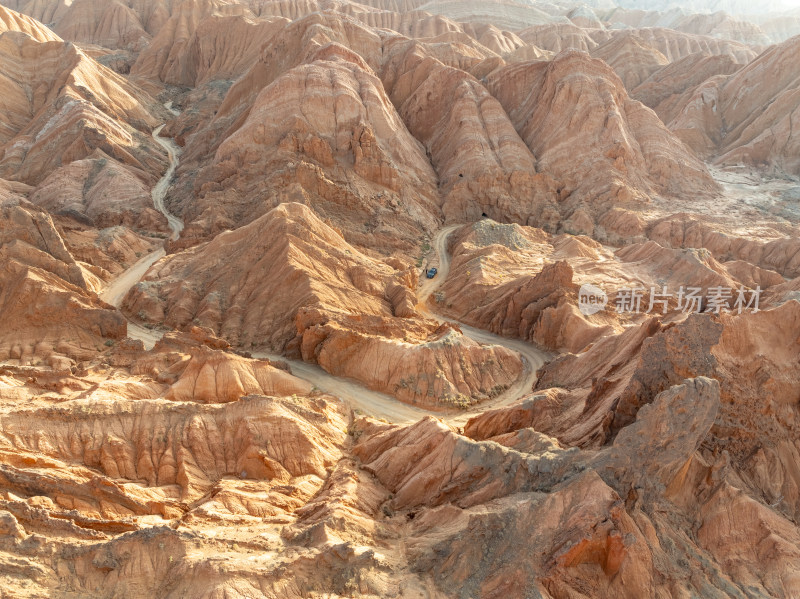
point(116, 290)
point(360, 398)
point(384, 406)
point(533, 357)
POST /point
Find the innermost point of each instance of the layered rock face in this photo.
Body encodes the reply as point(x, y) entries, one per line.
point(103, 192)
point(663, 90)
point(108, 24)
point(631, 58)
point(632, 377)
point(355, 133)
point(746, 117)
point(50, 312)
point(608, 167)
point(14, 21)
point(727, 349)
point(287, 400)
point(61, 106)
point(778, 255)
point(178, 49)
point(114, 25)
point(520, 282)
point(456, 118)
point(419, 81)
point(326, 302)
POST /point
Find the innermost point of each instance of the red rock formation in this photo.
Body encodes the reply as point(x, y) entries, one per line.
point(50, 314)
point(109, 24)
point(455, 117)
point(344, 157)
point(625, 154)
point(102, 191)
point(663, 90)
point(351, 314)
point(746, 117)
point(631, 58)
point(161, 57)
point(14, 21)
point(325, 142)
point(683, 231)
point(76, 106)
point(220, 46)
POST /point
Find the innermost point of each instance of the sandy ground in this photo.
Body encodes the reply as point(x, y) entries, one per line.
point(160, 190)
point(115, 291)
point(751, 204)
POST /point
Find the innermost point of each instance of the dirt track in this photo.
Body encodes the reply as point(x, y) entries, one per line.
point(383, 406)
point(360, 398)
point(116, 290)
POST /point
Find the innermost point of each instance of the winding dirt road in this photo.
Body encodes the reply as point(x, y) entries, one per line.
point(160, 190)
point(384, 406)
point(360, 398)
point(116, 290)
point(533, 357)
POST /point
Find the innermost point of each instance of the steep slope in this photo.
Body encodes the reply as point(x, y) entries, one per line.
point(482, 164)
point(631, 58)
point(346, 152)
point(605, 148)
point(748, 117)
point(219, 47)
point(14, 21)
point(61, 105)
point(115, 24)
point(161, 59)
point(50, 313)
point(98, 189)
point(557, 37)
point(676, 45)
point(324, 38)
point(288, 282)
point(722, 25)
point(664, 90)
point(44, 11)
point(109, 24)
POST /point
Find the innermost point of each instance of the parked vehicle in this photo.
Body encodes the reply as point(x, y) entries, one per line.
point(431, 273)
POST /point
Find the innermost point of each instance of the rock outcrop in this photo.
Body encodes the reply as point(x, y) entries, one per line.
point(61, 106)
point(282, 408)
point(353, 315)
point(14, 21)
point(747, 116)
point(50, 313)
point(625, 154)
point(483, 166)
point(101, 191)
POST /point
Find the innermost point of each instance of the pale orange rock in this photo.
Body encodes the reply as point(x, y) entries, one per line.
point(455, 116)
point(73, 107)
point(49, 309)
point(756, 111)
point(325, 143)
point(102, 191)
point(11, 20)
point(109, 24)
point(351, 314)
point(214, 377)
point(606, 167)
point(344, 157)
